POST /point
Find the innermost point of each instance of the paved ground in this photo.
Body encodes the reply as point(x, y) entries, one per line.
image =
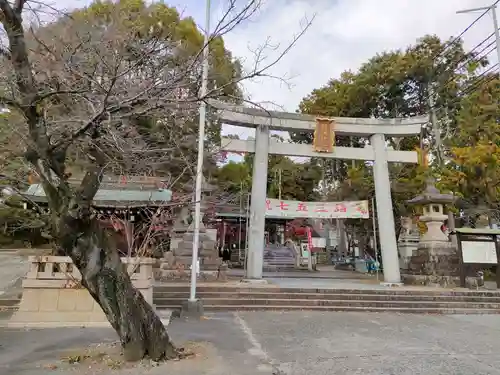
point(365, 284)
point(227, 346)
point(323, 272)
point(294, 343)
point(364, 343)
point(12, 268)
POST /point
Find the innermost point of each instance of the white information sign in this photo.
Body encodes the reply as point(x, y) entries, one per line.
point(479, 252)
point(285, 209)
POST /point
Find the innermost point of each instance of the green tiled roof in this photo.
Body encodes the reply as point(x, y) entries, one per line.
point(116, 197)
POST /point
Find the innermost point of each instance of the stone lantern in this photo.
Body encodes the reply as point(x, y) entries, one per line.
point(435, 261)
point(433, 216)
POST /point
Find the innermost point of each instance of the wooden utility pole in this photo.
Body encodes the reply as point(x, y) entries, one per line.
point(435, 126)
point(438, 143)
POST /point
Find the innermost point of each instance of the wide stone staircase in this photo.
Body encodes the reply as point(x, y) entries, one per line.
point(278, 258)
point(236, 298)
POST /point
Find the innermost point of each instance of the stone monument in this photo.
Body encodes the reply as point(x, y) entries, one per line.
point(435, 261)
point(176, 264)
point(407, 242)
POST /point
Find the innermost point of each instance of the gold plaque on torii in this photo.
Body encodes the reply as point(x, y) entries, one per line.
point(324, 135)
point(423, 156)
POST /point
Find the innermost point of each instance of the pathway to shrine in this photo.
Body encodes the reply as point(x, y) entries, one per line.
point(375, 130)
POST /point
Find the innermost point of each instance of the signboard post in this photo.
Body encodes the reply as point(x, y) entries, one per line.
point(478, 248)
point(310, 247)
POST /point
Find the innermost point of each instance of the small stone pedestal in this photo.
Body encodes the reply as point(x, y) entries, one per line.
point(192, 309)
point(435, 262)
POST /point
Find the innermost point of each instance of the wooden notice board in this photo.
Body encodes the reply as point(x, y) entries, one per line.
point(478, 248)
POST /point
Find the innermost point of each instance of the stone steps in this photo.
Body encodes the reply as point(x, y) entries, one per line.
point(218, 288)
point(159, 296)
point(400, 310)
point(278, 267)
point(284, 302)
point(230, 298)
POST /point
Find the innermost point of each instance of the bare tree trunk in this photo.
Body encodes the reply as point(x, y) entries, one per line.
point(104, 275)
point(363, 238)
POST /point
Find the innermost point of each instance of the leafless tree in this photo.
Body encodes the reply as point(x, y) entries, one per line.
point(80, 89)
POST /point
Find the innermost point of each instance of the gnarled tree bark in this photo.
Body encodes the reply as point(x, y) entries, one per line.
point(105, 277)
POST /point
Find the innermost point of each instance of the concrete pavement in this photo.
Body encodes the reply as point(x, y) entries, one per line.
point(226, 350)
point(363, 343)
point(12, 268)
point(292, 343)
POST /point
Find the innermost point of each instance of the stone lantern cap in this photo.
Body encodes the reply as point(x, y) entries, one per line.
point(431, 195)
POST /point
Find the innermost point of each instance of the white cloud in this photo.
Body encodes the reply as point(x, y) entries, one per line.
point(345, 33)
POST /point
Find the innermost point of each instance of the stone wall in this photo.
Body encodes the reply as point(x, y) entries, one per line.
point(53, 295)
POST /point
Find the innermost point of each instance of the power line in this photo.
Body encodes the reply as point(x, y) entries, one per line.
point(467, 58)
point(480, 80)
point(496, 28)
point(471, 57)
point(459, 37)
point(476, 58)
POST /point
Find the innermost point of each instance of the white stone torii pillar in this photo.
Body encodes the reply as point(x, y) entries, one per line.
point(255, 258)
point(385, 215)
point(375, 129)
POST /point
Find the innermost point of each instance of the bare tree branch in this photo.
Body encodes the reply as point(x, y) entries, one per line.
point(19, 5)
point(5, 53)
point(10, 103)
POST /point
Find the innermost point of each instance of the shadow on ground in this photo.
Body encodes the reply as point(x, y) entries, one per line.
point(33, 352)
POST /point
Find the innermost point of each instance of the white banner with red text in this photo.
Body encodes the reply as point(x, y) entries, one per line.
point(285, 209)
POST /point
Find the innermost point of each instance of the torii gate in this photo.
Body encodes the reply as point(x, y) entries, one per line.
point(376, 129)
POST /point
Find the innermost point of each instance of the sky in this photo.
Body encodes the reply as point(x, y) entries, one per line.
point(343, 35)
